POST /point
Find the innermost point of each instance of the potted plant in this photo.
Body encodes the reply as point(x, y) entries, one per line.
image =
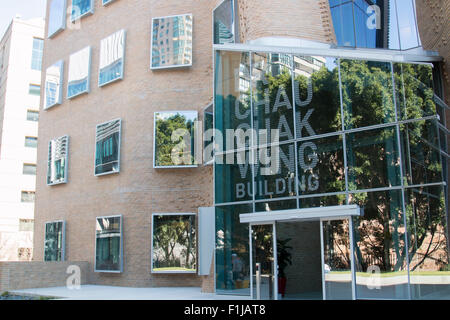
point(284, 259)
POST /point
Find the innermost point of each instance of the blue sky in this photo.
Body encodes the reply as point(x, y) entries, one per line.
point(26, 8)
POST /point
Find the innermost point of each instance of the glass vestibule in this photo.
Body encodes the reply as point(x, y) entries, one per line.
point(351, 131)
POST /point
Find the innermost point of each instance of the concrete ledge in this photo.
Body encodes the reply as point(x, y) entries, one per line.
point(38, 274)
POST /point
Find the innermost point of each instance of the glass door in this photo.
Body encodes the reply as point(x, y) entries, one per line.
point(264, 285)
point(337, 259)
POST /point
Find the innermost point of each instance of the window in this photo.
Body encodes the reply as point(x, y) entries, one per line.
point(79, 73)
point(57, 17)
point(36, 57)
point(208, 134)
point(181, 39)
point(174, 247)
point(26, 224)
point(31, 142)
point(53, 84)
point(29, 169)
point(81, 8)
point(225, 22)
point(108, 244)
point(28, 196)
point(105, 2)
point(57, 160)
point(112, 52)
point(54, 243)
point(34, 89)
point(174, 139)
point(107, 149)
point(24, 254)
point(32, 115)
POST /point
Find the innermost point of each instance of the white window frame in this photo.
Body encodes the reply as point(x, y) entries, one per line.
point(196, 243)
point(121, 245)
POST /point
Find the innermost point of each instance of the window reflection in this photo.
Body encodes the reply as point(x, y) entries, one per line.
point(107, 148)
point(79, 72)
point(174, 243)
point(53, 84)
point(174, 139)
point(108, 247)
point(57, 17)
point(388, 24)
point(54, 241)
point(81, 8)
point(57, 160)
point(225, 30)
point(112, 51)
point(171, 42)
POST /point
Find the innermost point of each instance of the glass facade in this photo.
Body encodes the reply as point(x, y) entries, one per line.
point(174, 245)
point(54, 241)
point(388, 24)
point(332, 131)
point(108, 244)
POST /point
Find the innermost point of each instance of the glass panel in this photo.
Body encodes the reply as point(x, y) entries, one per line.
point(81, 8)
point(54, 241)
point(79, 72)
point(53, 84)
point(31, 142)
point(233, 178)
point(380, 251)
point(373, 159)
point(414, 90)
point(276, 205)
point(272, 96)
point(232, 98)
point(108, 249)
point(175, 143)
point(342, 15)
point(57, 17)
point(32, 115)
point(172, 42)
point(26, 225)
point(107, 148)
point(224, 24)
point(318, 161)
point(208, 135)
point(28, 196)
point(105, 2)
point(57, 160)
point(420, 150)
point(317, 98)
point(409, 37)
point(337, 260)
point(367, 93)
point(428, 243)
point(232, 237)
point(174, 243)
point(263, 263)
point(112, 52)
point(324, 201)
point(36, 57)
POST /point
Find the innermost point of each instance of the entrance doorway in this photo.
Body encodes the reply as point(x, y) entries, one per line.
point(313, 254)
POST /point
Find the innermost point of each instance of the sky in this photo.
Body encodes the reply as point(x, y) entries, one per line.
point(26, 8)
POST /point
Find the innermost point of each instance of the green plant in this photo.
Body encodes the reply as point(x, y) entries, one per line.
point(284, 256)
point(5, 294)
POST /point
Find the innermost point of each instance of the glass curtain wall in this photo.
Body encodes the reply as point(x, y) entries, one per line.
point(313, 117)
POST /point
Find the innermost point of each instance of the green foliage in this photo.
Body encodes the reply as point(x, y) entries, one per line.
point(5, 294)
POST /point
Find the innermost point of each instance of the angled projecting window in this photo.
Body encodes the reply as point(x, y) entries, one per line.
point(171, 42)
point(57, 17)
point(36, 56)
point(81, 8)
point(57, 160)
point(108, 244)
point(174, 246)
point(53, 84)
point(106, 2)
point(79, 73)
point(225, 26)
point(174, 139)
point(33, 115)
point(208, 135)
point(54, 243)
point(107, 147)
point(112, 52)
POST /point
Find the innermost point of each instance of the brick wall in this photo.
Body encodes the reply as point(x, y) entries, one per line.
point(37, 274)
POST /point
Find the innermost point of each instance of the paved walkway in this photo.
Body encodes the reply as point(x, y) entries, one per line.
point(96, 292)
